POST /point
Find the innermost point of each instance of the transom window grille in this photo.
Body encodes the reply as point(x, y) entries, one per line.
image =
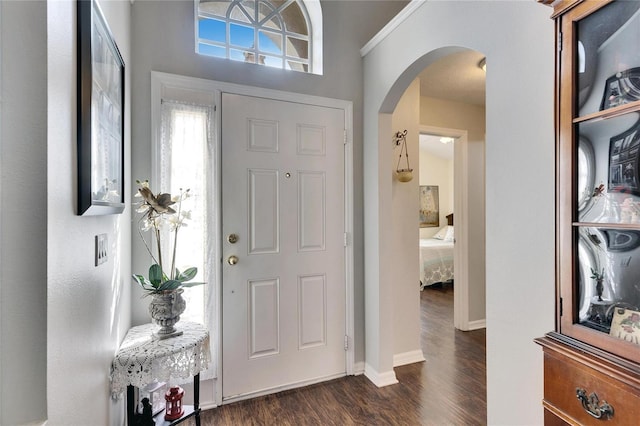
point(274, 33)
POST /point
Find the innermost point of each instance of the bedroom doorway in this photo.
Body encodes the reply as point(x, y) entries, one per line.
point(444, 248)
point(452, 107)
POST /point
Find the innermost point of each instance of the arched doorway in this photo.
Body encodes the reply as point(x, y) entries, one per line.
point(442, 112)
point(382, 344)
point(519, 158)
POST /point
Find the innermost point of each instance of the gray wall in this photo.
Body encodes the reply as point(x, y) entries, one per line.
point(23, 212)
point(163, 40)
point(62, 319)
point(519, 154)
point(88, 306)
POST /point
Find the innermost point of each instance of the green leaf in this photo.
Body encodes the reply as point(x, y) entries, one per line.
point(169, 285)
point(139, 279)
point(187, 275)
point(155, 275)
point(142, 280)
point(191, 284)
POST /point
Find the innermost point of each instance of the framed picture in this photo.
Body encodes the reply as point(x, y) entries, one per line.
point(621, 88)
point(624, 160)
point(100, 90)
point(429, 206)
point(625, 325)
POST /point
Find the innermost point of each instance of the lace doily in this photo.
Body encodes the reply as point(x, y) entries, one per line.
point(142, 358)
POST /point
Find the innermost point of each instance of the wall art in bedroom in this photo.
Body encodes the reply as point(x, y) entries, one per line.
point(429, 206)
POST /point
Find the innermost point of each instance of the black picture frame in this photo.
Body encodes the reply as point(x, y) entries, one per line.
point(624, 161)
point(100, 115)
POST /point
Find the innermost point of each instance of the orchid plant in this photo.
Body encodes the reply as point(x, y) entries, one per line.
point(160, 213)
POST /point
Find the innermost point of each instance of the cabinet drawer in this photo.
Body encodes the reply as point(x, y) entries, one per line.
point(562, 376)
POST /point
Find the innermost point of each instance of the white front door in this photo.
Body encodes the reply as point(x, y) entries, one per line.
point(283, 280)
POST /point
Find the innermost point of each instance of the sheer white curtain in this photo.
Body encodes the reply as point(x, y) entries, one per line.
point(186, 161)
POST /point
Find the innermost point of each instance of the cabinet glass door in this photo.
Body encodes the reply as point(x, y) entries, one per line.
point(606, 186)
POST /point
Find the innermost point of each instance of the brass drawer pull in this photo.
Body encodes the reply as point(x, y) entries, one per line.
point(592, 405)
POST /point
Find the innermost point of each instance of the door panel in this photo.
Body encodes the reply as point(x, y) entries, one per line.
point(313, 307)
point(264, 311)
point(283, 302)
point(264, 203)
point(311, 211)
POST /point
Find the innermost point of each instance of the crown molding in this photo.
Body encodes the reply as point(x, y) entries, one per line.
point(391, 25)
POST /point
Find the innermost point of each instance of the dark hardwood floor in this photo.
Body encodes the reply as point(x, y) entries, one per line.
point(448, 389)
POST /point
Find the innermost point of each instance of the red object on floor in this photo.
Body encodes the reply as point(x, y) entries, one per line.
point(174, 409)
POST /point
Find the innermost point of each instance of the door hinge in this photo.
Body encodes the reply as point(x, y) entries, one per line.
point(560, 41)
point(561, 306)
point(346, 342)
point(346, 239)
point(344, 141)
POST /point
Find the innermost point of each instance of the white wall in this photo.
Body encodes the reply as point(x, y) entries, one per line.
point(88, 307)
point(437, 171)
point(23, 213)
point(472, 118)
point(405, 201)
point(519, 160)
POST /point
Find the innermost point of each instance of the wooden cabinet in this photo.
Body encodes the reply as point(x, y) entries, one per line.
point(592, 359)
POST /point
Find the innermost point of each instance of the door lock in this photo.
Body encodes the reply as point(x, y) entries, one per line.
point(232, 260)
point(233, 238)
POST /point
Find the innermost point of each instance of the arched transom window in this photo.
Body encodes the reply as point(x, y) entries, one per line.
point(276, 33)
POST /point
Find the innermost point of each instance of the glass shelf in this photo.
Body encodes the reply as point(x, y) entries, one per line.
point(607, 60)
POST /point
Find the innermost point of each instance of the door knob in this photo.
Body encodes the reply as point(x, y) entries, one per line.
point(232, 260)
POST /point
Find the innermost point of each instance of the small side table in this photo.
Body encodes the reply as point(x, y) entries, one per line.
point(142, 358)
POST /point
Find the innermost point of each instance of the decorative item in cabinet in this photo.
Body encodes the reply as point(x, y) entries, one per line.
point(606, 57)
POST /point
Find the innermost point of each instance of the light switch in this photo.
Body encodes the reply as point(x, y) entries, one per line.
point(101, 249)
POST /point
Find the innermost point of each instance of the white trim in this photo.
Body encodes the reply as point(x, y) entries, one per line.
point(289, 386)
point(2, 83)
point(380, 379)
point(161, 82)
point(349, 198)
point(477, 325)
point(391, 26)
point(408, 358)
point(358, 368)
point(314, 12)
point(461, 223)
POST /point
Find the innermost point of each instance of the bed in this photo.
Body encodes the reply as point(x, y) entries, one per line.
point(436, 256)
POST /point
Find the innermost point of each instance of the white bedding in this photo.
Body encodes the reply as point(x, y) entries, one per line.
point(436, 261)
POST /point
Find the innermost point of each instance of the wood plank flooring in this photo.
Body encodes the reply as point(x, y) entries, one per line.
point(448, 389)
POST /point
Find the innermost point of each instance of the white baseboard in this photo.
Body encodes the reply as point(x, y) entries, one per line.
point(380, 379)
point(477, 325)
point(358, 368)
point(280, 388)
point(408, 358)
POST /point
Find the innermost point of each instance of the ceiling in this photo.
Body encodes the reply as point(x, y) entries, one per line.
point(455, 77)
point(433, 146)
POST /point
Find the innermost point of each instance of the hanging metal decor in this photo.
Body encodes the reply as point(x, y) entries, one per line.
point(405, 174)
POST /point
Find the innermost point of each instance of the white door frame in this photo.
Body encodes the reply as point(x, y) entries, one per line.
point(162, 83)
point(461, 222)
